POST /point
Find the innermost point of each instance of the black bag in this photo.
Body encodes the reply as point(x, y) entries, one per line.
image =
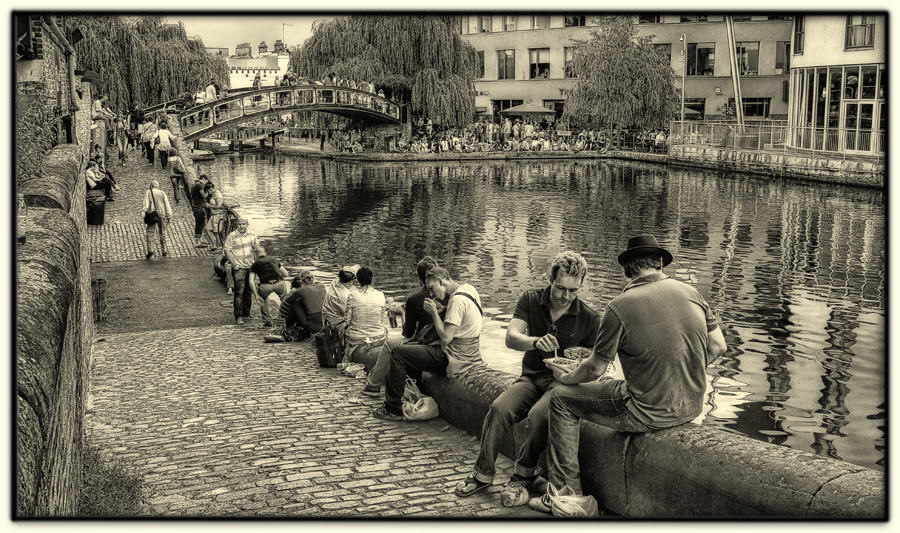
point(153, 216)
point(329, 346)
point(429, 335)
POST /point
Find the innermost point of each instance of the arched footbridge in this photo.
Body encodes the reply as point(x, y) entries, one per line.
point(203, 119)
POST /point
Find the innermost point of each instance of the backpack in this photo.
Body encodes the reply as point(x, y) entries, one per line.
point(329, 346)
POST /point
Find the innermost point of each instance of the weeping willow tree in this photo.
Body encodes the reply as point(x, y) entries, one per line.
point(144, 60)
point(418, 60)
point(623, 82)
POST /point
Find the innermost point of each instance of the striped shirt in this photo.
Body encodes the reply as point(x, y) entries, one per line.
point(365, 309)
point(242, 247)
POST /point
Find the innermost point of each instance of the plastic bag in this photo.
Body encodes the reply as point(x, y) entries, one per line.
point(571, 506)
point(417, 406)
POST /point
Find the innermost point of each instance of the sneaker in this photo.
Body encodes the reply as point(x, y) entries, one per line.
point(230, 291)
point(239, 321)
point(515, 491)
point(384, 414)
point(149, 255)
point(544, 503)
point(165, 254)
point(371, 390)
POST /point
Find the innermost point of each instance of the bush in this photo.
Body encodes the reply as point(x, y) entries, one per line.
point(107, 487)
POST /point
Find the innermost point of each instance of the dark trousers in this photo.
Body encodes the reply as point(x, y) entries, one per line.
point(410, 360)
point(243, 294)
point(199, 219)
point(148, 147)
point(164, 158)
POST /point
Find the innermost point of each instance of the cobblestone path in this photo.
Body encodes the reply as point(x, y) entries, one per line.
point(219, 423)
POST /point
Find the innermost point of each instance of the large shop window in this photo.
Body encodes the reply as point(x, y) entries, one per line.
point(539, 63)
point(694, 108)
point(860, 32)
point(506, 64)
point(782, 57)
point(748, 58)
point(701, 59)
point(569, 54)
point(755, 107)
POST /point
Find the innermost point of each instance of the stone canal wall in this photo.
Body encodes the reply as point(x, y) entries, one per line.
point(689, 471)
point(54, 336)
point(866, 173)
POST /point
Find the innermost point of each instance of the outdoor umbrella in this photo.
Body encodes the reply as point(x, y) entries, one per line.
point(527, 109)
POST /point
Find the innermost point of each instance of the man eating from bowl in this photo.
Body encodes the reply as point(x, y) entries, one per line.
point(545, 323)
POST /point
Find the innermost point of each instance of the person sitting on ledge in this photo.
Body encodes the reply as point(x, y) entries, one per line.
point(665, 335)
point(95, 181)
point(458, 331)
point(334, 310)
point(303, 305)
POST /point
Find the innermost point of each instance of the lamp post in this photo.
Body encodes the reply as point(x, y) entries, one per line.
point(283, 24)
point(683, 40)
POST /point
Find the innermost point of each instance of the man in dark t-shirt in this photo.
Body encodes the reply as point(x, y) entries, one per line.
point(545, 323)
point(270, 275)
point(303, 305)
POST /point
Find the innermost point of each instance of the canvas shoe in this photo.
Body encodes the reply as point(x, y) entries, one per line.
point(370, 390)
point(384, 414)
point(515, 491)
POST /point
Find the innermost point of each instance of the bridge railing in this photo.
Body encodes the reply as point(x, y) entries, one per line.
point(205, 116)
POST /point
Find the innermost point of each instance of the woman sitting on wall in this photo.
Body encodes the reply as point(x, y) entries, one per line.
point(365, 315)
point(95, 182)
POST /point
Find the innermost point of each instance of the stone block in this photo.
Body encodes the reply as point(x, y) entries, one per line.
point(854, 495)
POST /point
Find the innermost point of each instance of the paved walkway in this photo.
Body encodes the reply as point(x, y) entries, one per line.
point(219, 423)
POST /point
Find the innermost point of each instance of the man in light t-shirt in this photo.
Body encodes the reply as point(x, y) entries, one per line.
point(458, 350)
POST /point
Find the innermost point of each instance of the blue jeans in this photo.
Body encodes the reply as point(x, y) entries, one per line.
point(243, 294)
point(603, 403)
point(383, 363)
point(525, 397)
point(410, 360)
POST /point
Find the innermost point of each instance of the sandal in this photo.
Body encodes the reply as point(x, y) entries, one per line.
point(470, 486)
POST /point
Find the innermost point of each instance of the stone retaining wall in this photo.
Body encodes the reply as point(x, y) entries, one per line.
point(781, 164)
point(54, 336)
point(689, 471)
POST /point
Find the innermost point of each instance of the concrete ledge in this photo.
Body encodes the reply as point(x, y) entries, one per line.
point(53, 187)
point(689, 471)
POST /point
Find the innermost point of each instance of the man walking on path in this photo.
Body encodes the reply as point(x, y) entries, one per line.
point(240, 246)
point(458, 350)
point(155, 200)
point(198, 207)
point(545, 323)
point(665, 335)
point(270, 274)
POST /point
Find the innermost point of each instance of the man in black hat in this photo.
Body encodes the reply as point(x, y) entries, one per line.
point(665, 335)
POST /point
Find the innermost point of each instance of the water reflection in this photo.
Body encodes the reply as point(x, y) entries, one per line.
point(795, 271)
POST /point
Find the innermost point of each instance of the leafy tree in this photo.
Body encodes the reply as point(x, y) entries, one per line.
point(143, 59)
point(623, 82)
point(419, 60)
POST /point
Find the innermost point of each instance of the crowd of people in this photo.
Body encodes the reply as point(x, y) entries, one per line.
point(663, 357)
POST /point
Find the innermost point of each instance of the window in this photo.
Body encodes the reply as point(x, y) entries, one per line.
point(509, 23)
point(649, 19)
point(701, 59)
point(574, 20)
point(500, 105)
point(779, 17)
point(694, 108)
point(740, 18)
point(569, 55)
point(540, 22)
point(799, 33)
point(665, 50)
point(484, 24)
point(860, 32)
point(462, 25)
point(506, 64)
point(748, 58)
point(539, 63)
point(693, 18)
point(479, 64)
point(782, 57)
point(754, 107)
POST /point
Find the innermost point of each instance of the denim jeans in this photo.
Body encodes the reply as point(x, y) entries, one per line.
point(265, 289)
point(525, 397)
point(383, 363)
point(603, 403)
point(410, 360)
point(243, 294)
point(151, 233)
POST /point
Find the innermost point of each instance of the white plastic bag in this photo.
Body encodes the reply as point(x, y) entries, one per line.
point(425, 408)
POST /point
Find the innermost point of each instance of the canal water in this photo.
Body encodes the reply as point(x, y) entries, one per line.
point(795, 271)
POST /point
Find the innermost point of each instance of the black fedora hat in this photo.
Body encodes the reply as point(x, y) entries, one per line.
point(644, 245)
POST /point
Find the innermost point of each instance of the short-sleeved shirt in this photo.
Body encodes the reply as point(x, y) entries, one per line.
point(366, 311)
point(197, 196)
point(578, 326)
point(267, 269)
point(416, 316)
point(660, 329)
point(243, 247)
point(463, 351)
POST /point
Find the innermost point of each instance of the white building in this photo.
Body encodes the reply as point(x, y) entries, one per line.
point(244, 67)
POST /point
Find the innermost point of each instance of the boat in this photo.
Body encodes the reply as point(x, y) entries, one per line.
point(215, 146)
point(202, 155)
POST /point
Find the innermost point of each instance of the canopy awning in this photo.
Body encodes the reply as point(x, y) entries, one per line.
point(528, 109)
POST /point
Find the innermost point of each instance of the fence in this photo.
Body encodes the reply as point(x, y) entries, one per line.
point(831, 142)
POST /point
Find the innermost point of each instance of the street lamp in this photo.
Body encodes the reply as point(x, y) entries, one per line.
point(683, 40)
point(283, 24)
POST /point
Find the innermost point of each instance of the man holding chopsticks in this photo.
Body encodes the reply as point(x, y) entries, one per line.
point(545, 323)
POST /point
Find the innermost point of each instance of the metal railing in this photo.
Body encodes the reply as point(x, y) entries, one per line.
point(772, 136)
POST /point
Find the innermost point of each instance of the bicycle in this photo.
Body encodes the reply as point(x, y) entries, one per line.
point(227, 221)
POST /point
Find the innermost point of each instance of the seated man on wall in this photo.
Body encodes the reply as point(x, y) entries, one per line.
point(458, 350)
point(303, 305)
point(665, 335)
point(544, 324)
point(414, 319)
point(270, 274)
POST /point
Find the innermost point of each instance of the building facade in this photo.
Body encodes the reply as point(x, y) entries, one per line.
point(244, 67)
point(524, 58)
point(838, 83)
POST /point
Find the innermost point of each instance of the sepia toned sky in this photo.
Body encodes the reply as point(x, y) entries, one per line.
point(226, 31)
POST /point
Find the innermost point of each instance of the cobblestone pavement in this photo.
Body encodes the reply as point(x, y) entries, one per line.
point(219, 423)
point(121, 236)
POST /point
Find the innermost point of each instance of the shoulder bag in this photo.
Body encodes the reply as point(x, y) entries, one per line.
point(429, 335)
point(152, 217)
point(329, 346)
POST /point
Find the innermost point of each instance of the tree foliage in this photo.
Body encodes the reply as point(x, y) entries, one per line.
point(623, 82)
point(419, 60)
point(144, 60)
